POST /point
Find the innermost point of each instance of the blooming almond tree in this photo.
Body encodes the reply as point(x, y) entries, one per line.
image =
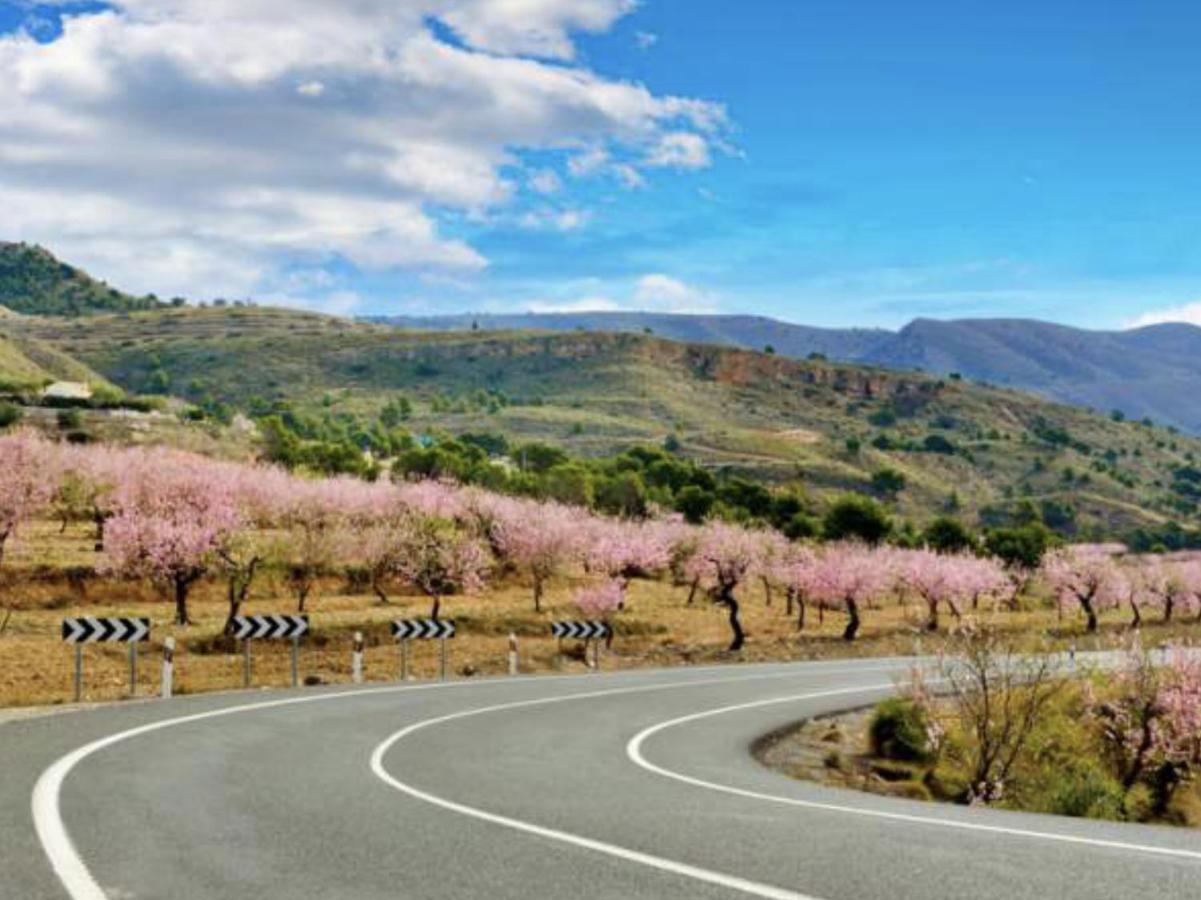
point(439, 557)
point(1150, 722)
point(172, 521)
point(1171, 584)
point(541, 538)
point(1085, 576)
point(848, 577)
point(950, 580)
point(28, 480)
point(725, 556)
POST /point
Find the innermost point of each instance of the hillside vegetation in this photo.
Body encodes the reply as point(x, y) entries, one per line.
point(1150, 372)
point(34, 282)
point(923, 444)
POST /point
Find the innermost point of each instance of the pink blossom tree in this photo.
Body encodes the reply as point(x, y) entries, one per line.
point(725, 556)
point(1171, 584)
point(172, 520)
point(28, 479)
point(847, 577)
point(440, 558)
point(1149, 718)
point(540, 538)
point(1086, 577)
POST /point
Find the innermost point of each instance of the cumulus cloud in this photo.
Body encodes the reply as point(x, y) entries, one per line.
point(203, 146)
point(662, 292)
point(653, 292)
point(1189, 313)
point(680, 150)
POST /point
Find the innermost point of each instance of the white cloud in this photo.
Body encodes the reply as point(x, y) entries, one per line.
point(545, 181)
point(1189, 313)
point(680, 150)
point(545, 218)
point(644, 40)
point(204, 146)
point(653, 292)
point(662, 292)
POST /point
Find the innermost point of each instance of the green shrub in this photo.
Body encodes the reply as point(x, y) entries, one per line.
point(10, 414)
point(1086, 791)
point(899, 730)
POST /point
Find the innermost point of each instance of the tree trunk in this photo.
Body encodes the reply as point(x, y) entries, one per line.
point(1090, 614)
point(537, 594)
point(436, 607)
point(800, 619)
point(1137, 619)
point(378, 588)
point(735, 625)
point(853, 625)
point(789, 599)
point(932, 620)
point(98, 519)
point(182, 585)
point(696, 583)
point(1169, 602)
point(302, 595)
point(766, 589)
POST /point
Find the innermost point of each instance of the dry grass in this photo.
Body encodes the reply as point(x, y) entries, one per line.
point(658, 628)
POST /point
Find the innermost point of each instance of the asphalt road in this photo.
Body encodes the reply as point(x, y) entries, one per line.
point(618, 786)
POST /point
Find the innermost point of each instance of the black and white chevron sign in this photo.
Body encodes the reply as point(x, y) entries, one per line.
point(253, 628)
point(580, 629)
point(423, 629)
point(90, 631)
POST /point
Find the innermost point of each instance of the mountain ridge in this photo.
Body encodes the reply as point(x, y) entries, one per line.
point(1149, 372)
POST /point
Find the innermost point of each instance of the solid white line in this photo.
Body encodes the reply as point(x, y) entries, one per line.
point(634, 750)
point(78, 881)
point(732, 882)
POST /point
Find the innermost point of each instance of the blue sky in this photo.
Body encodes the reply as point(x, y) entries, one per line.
point(876, 161)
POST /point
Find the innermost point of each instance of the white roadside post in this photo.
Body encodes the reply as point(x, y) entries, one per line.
point(133, 668)
point(78, 672)
point(168, 668)
point(512, 653)
point(295, 660)
point(442, 659)
point(356, 665)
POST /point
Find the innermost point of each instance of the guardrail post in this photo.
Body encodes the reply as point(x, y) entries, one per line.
point(295, 660)
point(168, 668)
point(133, 668)
point(404, 660)
point(78, 672)
point(512, 653)
point(356, 660)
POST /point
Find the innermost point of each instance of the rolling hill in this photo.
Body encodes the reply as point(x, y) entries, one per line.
point(825, 426)
point(1152, 372)
point(34, 282)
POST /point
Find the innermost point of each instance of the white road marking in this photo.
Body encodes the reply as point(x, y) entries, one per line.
point(73, 872)
point(634, 750)
point(732, 882)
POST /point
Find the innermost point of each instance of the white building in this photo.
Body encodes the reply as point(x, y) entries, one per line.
point(67, 390)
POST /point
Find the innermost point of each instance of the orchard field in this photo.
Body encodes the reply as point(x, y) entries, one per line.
point(189, 541)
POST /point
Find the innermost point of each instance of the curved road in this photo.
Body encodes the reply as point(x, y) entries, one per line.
point(629, 785)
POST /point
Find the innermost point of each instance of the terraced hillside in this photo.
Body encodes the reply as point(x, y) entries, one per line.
point(924, 443)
